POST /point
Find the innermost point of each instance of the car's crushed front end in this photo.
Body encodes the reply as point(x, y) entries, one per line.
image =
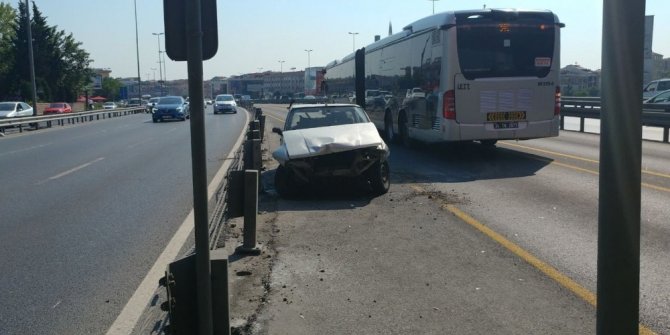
point(347, 151)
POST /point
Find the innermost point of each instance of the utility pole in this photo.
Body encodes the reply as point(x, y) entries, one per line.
point(308, 52)
point(31, 58)
point(137, 48)
point(433, 1)
point(160, 68)
point(354, 38)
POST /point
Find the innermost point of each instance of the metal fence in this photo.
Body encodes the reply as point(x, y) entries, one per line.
point(47, 121)
point(590, 108)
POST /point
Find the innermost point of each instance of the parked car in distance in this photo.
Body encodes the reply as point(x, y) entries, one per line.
point(171, 108)
point(322, 141)
point(225, 103)
point(135, 102)
point(57, 108)
point(655, 86)
point(110, 105)
point(14, 109)
point(661, 99)
point(152, 102)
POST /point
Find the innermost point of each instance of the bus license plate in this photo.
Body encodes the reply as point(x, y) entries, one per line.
point(505, 125)
point(505, 116)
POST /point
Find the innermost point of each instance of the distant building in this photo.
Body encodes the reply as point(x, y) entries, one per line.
point(576, 80)
point(283, 83)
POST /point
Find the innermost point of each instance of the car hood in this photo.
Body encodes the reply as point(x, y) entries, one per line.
point(5, 113)
point(301, 143)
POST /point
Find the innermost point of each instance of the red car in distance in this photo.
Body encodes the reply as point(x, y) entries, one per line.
point(57, 108)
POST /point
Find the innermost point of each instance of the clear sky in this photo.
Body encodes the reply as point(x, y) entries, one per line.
point(255, 34)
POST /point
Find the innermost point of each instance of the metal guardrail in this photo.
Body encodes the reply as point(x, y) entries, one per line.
point(590, 108)
point(69, 118)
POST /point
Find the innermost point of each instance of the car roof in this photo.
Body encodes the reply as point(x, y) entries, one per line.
point(294, 106)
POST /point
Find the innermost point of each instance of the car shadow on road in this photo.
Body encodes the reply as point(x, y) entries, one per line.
point(335, 194)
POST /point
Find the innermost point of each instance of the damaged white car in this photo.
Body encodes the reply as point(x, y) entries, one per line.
point(330, 140)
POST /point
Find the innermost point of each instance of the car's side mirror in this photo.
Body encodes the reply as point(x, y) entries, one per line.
point(277, 131)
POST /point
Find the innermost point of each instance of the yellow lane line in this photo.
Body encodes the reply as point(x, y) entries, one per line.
point(549, 152)
point(543, 267)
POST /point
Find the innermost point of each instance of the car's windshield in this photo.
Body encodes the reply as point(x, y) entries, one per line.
point(224, 98)
point(154, 100)
point(7, 106)
point(108, 104)
point(170, 101)
point(56, 105)
point(325, 116)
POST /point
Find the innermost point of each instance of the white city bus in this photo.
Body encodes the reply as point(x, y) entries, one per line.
point(481, 75)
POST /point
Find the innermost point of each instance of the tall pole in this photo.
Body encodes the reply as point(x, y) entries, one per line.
point(199, 165)
point(160, 68)
point(31, 58)
point(137, 48)
point(618, 288)
point(167, 88)
point(433, 1)
point(308, 52)
point(354, 39)
point(281, 74)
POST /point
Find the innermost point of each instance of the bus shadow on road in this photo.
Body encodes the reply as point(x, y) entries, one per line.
point(460, 163)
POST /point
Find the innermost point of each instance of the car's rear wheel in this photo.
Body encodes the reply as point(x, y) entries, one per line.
point(380, 177)
point(155, 120)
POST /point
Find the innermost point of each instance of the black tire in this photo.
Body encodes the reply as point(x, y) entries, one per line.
point(155, 120)
point(403, 127)
point(488, 143)
point(379, 175)
point(283, 183)
point(388, 128)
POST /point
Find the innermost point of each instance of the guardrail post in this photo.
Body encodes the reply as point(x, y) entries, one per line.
point(250, 214)
point(581, 124)
point(666, 133)
point(562, 122)
point(220, 303)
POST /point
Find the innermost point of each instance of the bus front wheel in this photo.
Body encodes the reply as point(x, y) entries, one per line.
point(388, 128)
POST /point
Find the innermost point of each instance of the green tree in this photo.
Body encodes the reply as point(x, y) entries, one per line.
point(111, 88)
point(7, 30)
point(61, 66)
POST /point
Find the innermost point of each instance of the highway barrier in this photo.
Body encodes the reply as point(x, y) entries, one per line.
point(590, 108)
point(69, 118)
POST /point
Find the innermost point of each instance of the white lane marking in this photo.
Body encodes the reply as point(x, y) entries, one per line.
point(25, 149)
point(56, 305)
point(72, 170)
point(127, 319)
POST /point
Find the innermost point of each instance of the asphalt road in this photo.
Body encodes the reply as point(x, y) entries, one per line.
point(85, 212)
point(540, 195)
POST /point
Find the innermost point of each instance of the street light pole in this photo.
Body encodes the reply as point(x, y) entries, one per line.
point(31, 58)
point(281, 75)
point(433, 1)
point(137, 48)
point(308, 52)
point(160, 69)
point(354, 40)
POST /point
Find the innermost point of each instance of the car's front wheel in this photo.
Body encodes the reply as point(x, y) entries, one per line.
point(380, 177)
point(283, 183)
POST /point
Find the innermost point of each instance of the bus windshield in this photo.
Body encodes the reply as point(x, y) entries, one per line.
point(495, 44)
